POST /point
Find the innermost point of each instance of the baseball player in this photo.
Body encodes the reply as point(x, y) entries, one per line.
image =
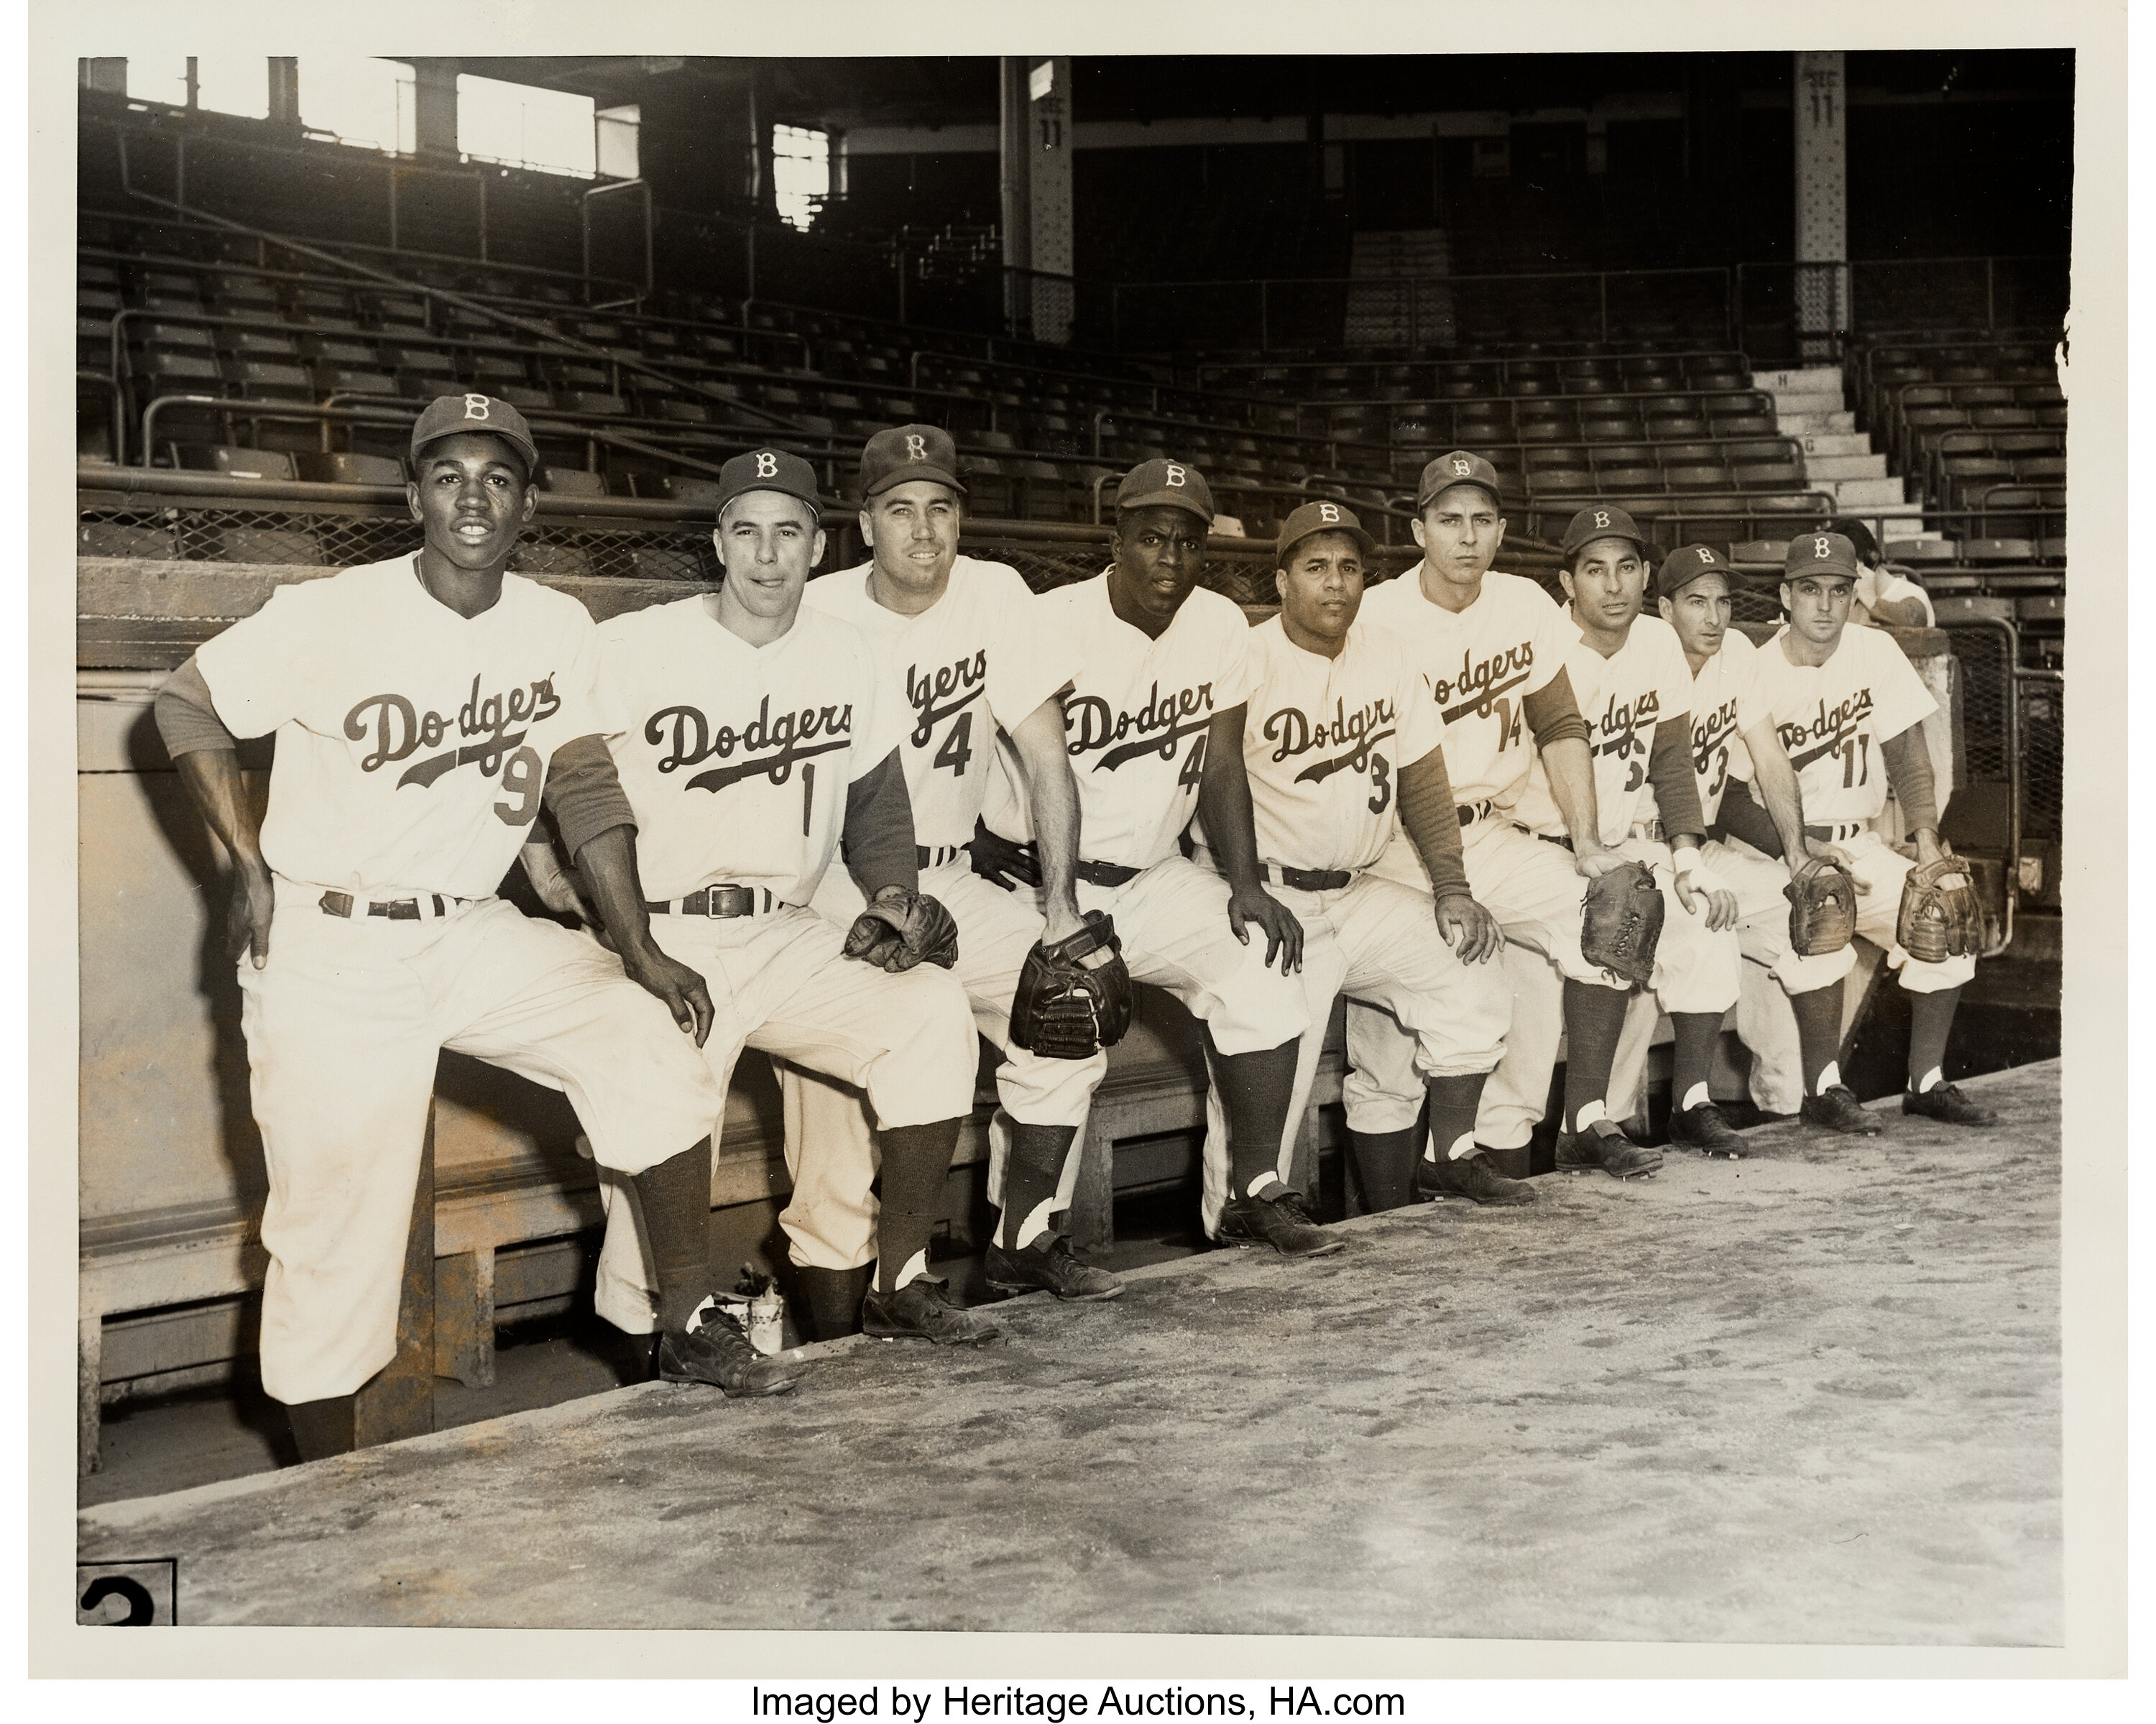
point(1630, 675)
point(1733, 740)
point(751, 739)
point(1491, 649)
point(423, 707)
point(1154, 730)
point(1850, 708)
point(967, 661)
point(1343, 749)
point(1883, 594)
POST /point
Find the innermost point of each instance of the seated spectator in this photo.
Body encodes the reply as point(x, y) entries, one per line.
point(1885, 592)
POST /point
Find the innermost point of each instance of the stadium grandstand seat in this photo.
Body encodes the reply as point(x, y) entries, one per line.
point(229, 459)
point(340, 467)
point(572, 482)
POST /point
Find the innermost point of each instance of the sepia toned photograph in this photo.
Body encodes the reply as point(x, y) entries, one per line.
point(1261, 843)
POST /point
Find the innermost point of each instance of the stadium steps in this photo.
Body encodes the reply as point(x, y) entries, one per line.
point(1838, 458)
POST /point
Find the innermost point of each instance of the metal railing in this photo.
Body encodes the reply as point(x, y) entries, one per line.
point(1816, 307)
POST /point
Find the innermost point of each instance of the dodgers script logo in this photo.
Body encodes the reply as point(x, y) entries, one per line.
point(929, 693)
point(1617, 730)
point(400, 729)
point(1710, 731)
point(1294, 732)
point(772, 745)
point(1093, 726)
point(1481, 681)
point(1827, 730)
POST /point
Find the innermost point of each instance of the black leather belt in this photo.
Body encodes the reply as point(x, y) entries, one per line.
point(1470, 812)
point(1105, 874)
point(925, 857)
point(396, 910)
point(1835, 834)
point(1307, 879)
point(1563, 844)
point(719, 902)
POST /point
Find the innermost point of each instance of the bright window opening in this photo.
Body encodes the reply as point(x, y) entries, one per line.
point(161, 77)
point(523, 126)
point(800, 171)
point(367, 103)
point(233, 84)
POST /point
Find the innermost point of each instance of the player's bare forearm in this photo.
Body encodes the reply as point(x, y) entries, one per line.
point(557, 887)
point(1224, 804)
point(1776, 781)
point(207, 758)
point(608, 863)
point(1571, 786)
point(1052, 794)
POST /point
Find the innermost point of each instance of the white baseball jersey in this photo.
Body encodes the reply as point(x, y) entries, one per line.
point(1833, 717)
point(736, 758)
point(1478, 665)
point(1645, 683)
point(1136, 726)
point(412, 743)
point(1727, 701)
point(1324, 742)
point(977, 661)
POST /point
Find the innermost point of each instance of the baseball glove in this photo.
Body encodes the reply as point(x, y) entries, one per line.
point(901, 929)
point(1822, 896)
point(1940, 917)
point(1620, 921)
point(1064, 1010)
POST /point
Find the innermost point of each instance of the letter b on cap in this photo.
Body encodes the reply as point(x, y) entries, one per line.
point(1174, 473)
point(1462, 467)
point(1601, 517)
point(1820, 548)
point(766, 464)
point(1326, 511)
point(475, 407)
point(916, 447)
point(1706, 555)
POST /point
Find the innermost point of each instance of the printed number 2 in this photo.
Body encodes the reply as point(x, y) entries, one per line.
point(1381, 783)
point(520, 776)
point(1856, 752)
point(957, 747)
point(1193, 768)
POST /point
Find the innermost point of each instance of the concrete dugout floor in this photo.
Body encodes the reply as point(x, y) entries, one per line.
point(1811, 1395)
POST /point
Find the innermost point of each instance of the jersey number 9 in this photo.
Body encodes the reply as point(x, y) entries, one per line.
point(521, 775)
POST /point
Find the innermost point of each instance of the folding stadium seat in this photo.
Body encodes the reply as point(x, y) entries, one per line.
point(421, 361)
point(576, 376)
point(1696, 478)
point(340, 467)
point(230, 459)
point(589, 401)
point(2052, 416)
point(988, 489)
point(258, 344)
point(1757, 474)
point(572, 482)
point(1965, 475)
point(2052, 550)
point(168, 282)
point(2040, 468)
point(1557, 458)
point(1564, 482)
point(1922, 550)
point(193, 373)
point(1964, 374)
point(1760, 552)
point(1744, 425)
point(267, 380)
point(341, 380)
point(2002, 505)
point(1664, 428)
point(1621, 479)
point(109, 538)
point(681, 412)
point(260, 544)
point(1608, 429)
point(1997, 551)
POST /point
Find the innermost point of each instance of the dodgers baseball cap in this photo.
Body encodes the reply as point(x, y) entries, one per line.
point(767, 470)
point(1460, 467)
point(1686, 564)
point(1176, 485)
point(908, 452)
point(448, 414)
point(1314, 518)
point(1821, 554)
point(1601, 520)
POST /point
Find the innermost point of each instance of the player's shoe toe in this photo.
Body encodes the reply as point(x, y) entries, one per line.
point(717, 1352)
point(1048, 1264)
point(1603, 1146)
point(1702, 1128)
point(1838, 1110)
point(1473, 1176)
point(1278, 1222)
point(1944, 1102)
point(923, 1309)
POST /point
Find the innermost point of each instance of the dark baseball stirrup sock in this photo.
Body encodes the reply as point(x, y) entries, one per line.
point(1818, 1036)
point(325, 1427)
point(915, 1159)
point(1454, 1102)
point(1593, 1017)
point(1385, 1164)
point(834, 1298)
point(676, 1198)
point(1256, 1089)
point(1931, 1019)
point(1692, 1057)
point(1030, 1176)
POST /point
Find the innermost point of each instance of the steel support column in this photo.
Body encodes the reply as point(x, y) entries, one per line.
point(1820, 109)
point(1038, 240)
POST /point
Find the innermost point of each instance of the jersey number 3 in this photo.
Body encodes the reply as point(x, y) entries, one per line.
point(958, 747)
point(1381, 783)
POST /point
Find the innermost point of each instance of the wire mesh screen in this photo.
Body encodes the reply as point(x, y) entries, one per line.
point(1986, 653)
point(2043, 757)
point(1244, 576)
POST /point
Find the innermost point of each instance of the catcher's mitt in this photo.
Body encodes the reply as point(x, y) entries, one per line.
point(1940, 917)
point(1822, 896)
point(901, 929)
point(1064, 1010)
point(1620, 921)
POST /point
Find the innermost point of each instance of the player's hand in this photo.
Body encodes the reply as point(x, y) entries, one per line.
point(560, 889)
point(1469, 930)
point(1826, 852)
point(678, 987)
point(254, 902)
point(1249, 904)
point(1590, 860)
point(1009, 865)
point(1929, 846)
point(1701, 891)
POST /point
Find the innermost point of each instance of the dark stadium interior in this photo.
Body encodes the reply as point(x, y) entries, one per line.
point(1306, 276)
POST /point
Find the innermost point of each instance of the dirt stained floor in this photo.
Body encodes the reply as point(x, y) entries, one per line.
point(1812, 1396)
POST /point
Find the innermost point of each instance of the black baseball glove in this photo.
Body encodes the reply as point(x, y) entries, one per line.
point(1822, 896)
point(1620, 921)
point(901, 929)
point(1067, 1009)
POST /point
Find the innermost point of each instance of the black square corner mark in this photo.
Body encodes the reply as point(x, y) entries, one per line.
point(127, 1592)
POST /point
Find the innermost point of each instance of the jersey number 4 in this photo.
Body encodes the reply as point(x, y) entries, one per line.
point(1194, 765)
point(957, 747)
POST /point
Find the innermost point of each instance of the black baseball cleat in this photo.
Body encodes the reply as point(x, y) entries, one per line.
point(1703, 1128)
point(1278, 1222)
point(1473, 1176)
point(1603, 1144)
point(716, 1352)
point(1944, 1102)
point(1047, 1263)
point(922, 1310)
point(1838, 1110)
